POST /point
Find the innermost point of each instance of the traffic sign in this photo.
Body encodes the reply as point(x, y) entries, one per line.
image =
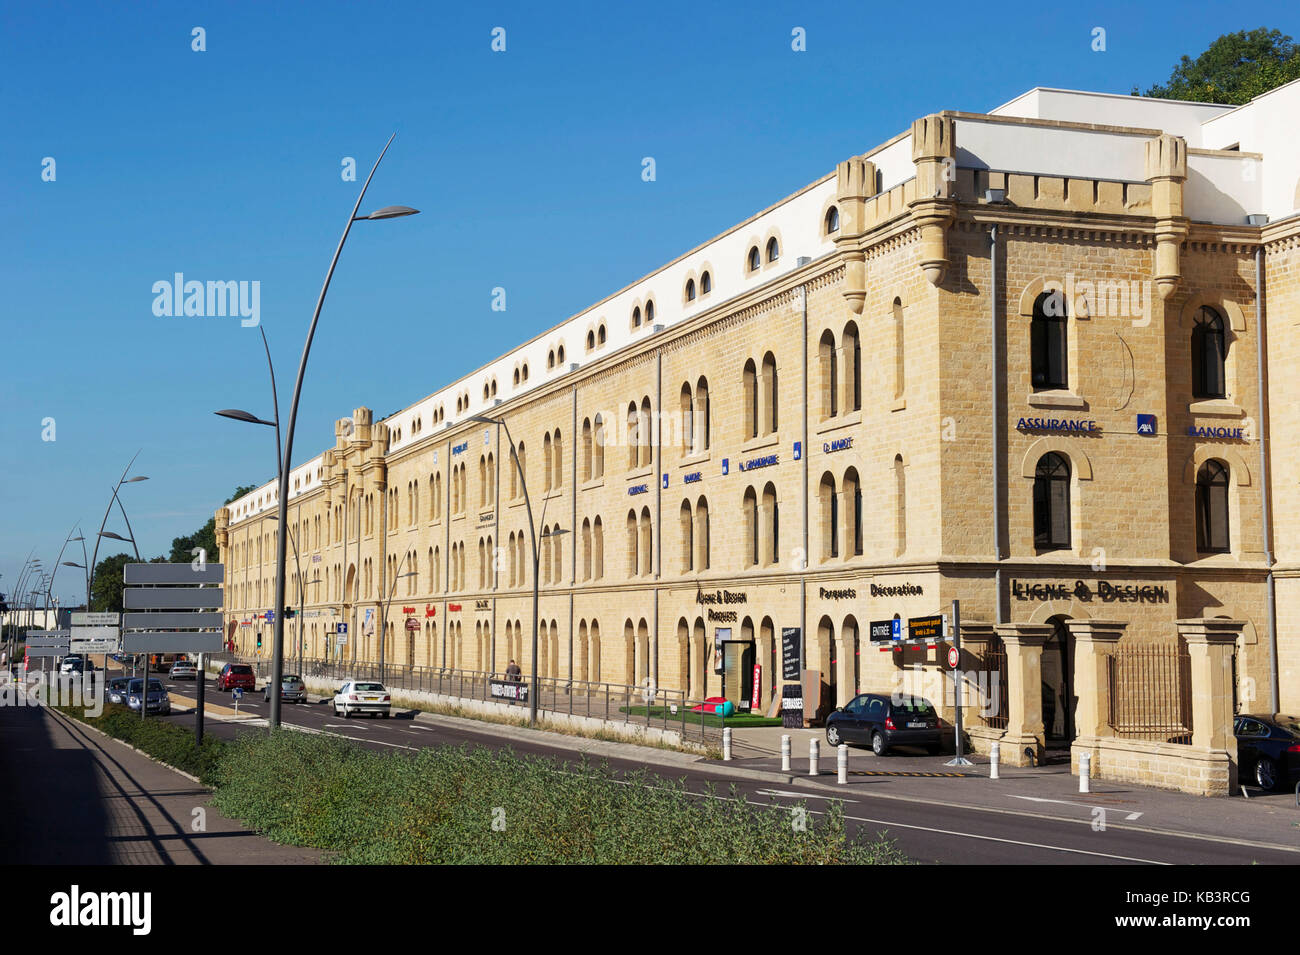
point(95, 619)
point(925, 628)
point(187, 574)
point(171, 598)
point(186, 623)
point(342, 628)
point(93, 644)
point(954, 657)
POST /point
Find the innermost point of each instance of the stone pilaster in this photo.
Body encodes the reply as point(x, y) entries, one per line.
point(1210, 644)
point(1022, 743)
point(856, 183)
point(1094, 640)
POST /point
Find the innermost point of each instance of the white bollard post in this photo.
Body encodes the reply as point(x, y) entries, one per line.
point(726, 742)
point(842, 764)
point(785, 753)
point(813, 749)
point(1085, 768)
point(995, 754)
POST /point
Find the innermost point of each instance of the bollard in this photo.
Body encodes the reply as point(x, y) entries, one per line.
point(726, 742)
point(995, 754)
point(812, 757)
point(785, 753)
point(1085, 767)
point(842, 764)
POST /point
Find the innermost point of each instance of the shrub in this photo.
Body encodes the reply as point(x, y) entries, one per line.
point(158, 738)
point(459, 805)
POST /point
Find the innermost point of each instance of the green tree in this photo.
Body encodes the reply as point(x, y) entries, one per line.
point(106, 588)
point(1234, 69)
point(205, 536)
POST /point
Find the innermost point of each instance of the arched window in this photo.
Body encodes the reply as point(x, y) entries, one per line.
point(853, 503)
point(690, 290)
point(558, 446)
point(773, 250)
point(830, 516)
point(1052, 502)
point(706, 284)
point(1047, 333)
point(687, 522)
point(702, 533)
point(701, 417)
point(770, 392)
point(1209, 350)
point(750, 386)
point(636, 317)
point(550, 359)
point(852, 348)
point(547, 467)
point(600, 334)
point(650, 312)
point(585, 474)
point(772, 516)
point(1212, 508)
point(900, 505)
point(586, 549)
point(633, 435)
point(829, 374)
point(598, 449)
point(687, 404)
point(750, 514)
point(559, 353)
point(755, 260)
point(591, 341)
point(597, 549)
point(832, 220)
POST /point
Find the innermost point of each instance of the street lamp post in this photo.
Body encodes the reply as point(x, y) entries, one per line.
point(95, 555)
point(537, 556)
point(282, 497)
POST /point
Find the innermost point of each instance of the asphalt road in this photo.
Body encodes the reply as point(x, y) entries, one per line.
point(926, 832)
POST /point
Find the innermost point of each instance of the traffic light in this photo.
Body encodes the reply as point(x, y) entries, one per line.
point(288, 613)
point(259, 640)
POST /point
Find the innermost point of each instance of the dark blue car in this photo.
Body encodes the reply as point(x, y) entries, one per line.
point(1268, 749)
point(883, 721)
point(158, 701)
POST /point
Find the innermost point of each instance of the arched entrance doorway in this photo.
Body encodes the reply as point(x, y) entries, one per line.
point(1059, 698)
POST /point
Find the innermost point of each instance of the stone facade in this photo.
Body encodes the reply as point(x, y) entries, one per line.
point(841, 442)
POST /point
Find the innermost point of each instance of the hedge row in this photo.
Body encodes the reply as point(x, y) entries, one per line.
point(457, 805)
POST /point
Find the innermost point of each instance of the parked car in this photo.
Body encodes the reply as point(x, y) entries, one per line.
point(184, 670)
point(1268, 749)
point(157, 700)
point(292, 690)
point(362, 697)
point(116, 689)
point(884, 722)
point(236, 675)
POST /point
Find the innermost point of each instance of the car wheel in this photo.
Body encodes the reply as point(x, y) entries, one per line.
point(833, 735)
point(1266, 773)
point(387, 714)
point(933, 749)
point(878, 744)
point(336, 710)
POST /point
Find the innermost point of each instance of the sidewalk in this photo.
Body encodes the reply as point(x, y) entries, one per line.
point(75, 797)
point(1267, 820)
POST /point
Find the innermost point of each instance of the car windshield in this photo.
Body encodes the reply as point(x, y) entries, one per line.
point(155, 686)
point(119, 683)
point(292, 679)
point(241, 669)
point(370, 687)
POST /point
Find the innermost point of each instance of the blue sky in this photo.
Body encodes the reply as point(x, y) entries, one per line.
point(225, 164)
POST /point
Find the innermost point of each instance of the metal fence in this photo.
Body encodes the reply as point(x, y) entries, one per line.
point(1151, 693)
point(994, 664)
point(611, 702)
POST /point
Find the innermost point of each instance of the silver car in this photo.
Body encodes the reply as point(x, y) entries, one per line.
point(184, 670)
point(292, 690)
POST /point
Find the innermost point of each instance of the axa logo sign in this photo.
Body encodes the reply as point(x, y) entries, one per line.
point(1146, 425)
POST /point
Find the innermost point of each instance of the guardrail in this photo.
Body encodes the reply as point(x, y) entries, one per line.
point(652, 707)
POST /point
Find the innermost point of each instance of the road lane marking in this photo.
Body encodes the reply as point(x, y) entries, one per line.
point(1129, 817)
point(785, 792)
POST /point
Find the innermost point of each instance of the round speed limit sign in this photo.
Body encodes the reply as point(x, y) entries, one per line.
point(953, 657)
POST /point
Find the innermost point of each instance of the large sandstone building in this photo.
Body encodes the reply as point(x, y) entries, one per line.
point(1013, 358)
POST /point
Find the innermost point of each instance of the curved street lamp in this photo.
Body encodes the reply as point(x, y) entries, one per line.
point(281, 549)
point(95, 556)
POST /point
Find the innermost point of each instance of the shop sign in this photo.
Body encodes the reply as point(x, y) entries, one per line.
point(798, 450)
point(408, 611)
point(430, 610)
point(720, 597)
point(899, 590)
point(843, 593)
point(1084, 425)
point(693, 477)
point(792, 706)
point(412, 623)
point(638, 489)
point(766, 461)
point(1146, 425)
point(882, 631)
point(453, 608)
point(1228, 434)
point(509, 690)
point(1101, 590)
point(839, 444)
point(460, 448)
point(482, 605)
